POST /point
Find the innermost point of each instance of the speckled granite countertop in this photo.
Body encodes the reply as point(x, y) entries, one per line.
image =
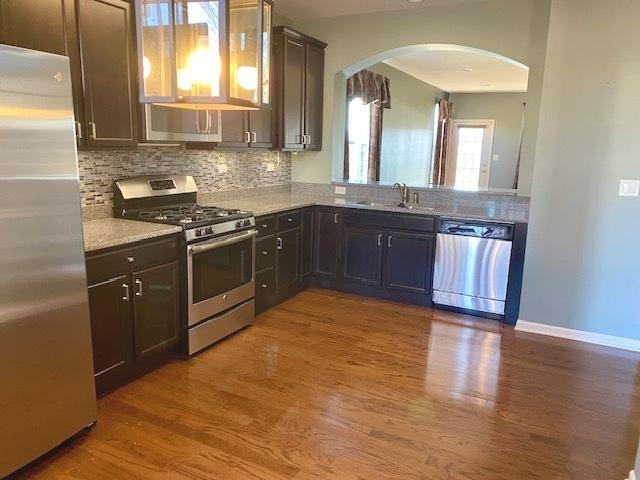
point(268, 204)
point(113, 232)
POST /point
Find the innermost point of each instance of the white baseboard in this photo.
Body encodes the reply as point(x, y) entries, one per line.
point(632, 476)
point(579, 335)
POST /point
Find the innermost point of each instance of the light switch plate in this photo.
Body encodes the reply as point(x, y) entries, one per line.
point(271, 167)
point(629, 188)
point(222, 168)
point(496, 158)
point(341, 190)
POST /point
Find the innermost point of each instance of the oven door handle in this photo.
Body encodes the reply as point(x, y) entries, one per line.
point(203, 247)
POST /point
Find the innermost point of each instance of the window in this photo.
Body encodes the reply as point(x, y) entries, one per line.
point(359, 134)
point(434, 143)
point(469, 156)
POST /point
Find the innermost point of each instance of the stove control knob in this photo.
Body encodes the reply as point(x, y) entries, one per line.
point(208, 230)
point(238, 224)
point(198, 233)
point(247, 223)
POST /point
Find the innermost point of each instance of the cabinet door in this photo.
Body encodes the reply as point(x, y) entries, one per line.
point(327, 242)
point(108, 68)
point(408, 262)
point(111, 333)
point(306, 244)
point(362, 255)
point(261, 123)
point(235, 129)
point(156, 309)
point(48, 26)
point(293, 94)
point(287, 259)
point(314, 89)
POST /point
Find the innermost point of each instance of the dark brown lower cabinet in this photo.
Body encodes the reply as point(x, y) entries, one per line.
point(306, 244)
point(287, 260)
point(111, 331)
point(408, 262)
point(326, 249)
point(134, 302)
point(156, 311)
point(362, 255)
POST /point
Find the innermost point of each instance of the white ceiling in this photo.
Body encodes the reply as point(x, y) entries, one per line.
point(306, 9)
point(446, 70)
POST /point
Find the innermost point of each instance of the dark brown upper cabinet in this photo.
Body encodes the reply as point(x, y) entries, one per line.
point(299, 88)
point(48, 26)
point(251, 129)
point(107, 46)
point(98, 38)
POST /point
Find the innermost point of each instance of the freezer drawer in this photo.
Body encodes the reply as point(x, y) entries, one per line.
point(471, 267)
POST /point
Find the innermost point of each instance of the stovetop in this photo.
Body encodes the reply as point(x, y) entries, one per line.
point(187, 216)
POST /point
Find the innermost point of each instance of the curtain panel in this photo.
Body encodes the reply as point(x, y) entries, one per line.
point(375, 91)
point(442, 143)
point(370, 87)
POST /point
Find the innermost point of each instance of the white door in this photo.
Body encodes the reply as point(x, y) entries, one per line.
point(470, 152)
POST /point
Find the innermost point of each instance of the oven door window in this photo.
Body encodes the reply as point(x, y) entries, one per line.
point(221, 270)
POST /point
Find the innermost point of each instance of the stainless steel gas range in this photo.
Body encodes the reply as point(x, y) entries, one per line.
point(219, 252)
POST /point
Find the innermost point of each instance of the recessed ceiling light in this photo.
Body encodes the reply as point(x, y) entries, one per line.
point(487, 84)
point(468, 69)
point(415, 1)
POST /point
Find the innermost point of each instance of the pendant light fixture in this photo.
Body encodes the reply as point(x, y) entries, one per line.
point(205, 54)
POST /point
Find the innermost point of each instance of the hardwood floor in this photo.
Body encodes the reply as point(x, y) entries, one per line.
point(335, 386)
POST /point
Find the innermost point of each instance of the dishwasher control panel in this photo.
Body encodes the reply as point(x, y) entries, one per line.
point(494, 231)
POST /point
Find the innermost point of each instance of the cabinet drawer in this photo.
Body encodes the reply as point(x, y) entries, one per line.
point(265, 253)
point(103, 266)
point(288, 221)
point(265, 283)
point(266, 226)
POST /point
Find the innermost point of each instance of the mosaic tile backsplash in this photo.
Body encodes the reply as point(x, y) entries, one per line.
point(98, 169)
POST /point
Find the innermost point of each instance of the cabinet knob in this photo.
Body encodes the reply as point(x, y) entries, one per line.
point(265, 253)
point(224, 297)
point(130, 259)
point(264, 285)
point(264, 225)
point(289, 219)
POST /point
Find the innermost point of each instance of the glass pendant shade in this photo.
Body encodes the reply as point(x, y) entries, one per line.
point(212, 54)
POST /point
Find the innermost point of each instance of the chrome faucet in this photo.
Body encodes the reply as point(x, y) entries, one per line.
point(404, 193)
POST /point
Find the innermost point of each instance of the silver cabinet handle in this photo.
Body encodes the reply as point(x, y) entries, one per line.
point(279, 243)
point(94, 131)
point(303, 139)
point(389, 241)
point(380, 240)
point(289, 219)
point(264, 225)
point(308, 139)
point(79, 130)
point(265, 253)
point(126, 292)
point(264, 285)
point(247, 137)
point(139, 287)
point(208, 127)
point(254, 137)
point(335, 218)
point(130, 259)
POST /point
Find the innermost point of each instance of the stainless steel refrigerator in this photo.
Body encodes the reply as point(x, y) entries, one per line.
point(47, 394)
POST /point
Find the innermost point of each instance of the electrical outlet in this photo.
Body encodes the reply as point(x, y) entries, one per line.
point(271, 167)
point(222, 168)
point(341, 190)
point(629, 188)
point(496, 158)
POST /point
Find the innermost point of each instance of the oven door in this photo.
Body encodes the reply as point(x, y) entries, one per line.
point(221, 274)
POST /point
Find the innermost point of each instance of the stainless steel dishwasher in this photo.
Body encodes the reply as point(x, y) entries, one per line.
point(472, 266)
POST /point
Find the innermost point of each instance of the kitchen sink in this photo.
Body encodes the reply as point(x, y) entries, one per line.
point(369, 203)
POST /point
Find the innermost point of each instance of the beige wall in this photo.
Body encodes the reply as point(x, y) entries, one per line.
point(514, 28)
point(407, 134)
point(507, 110)
point(583, 262)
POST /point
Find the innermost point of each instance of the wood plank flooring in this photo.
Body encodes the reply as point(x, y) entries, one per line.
point(336, 386)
